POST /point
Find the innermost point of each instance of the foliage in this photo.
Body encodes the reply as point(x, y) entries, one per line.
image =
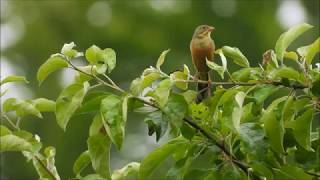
point(242, 130)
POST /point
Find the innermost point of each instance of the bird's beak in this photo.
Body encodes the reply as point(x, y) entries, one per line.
point(211, 29)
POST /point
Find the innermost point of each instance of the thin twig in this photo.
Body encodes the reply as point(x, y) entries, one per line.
point(95, 77)
point(312, 174)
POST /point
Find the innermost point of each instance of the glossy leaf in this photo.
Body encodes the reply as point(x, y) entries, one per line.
point(156, 124)
point(54, 63)
point(220, 69)
point(154, 159)
point(161, 58)
point(302, 129)
point(176, 108)
point(13, 79)
point(288, 37)
point(236, 55)
point(81, 163)
point(99, 151)
point(310, 51)
point(68, 50)
point(131, 169)
point(274, 126)
point(179, 76)
point(12, 142)
point(4, 130)
point(96, 125)
point(69, 101)
point(291, 55)
point(112, 115)
point(238, 110)
point(44, 105)
point(263, 92)
point(103, 59)
point(285, 72)
point(291, 173)
point(22, 108)
point(139, 84)
point(161, 93)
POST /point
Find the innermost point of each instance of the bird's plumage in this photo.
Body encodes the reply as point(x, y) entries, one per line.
point(202, 48)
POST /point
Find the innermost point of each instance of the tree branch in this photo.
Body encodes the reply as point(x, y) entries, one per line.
point(275, 83)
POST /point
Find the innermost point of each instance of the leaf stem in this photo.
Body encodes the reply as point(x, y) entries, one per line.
point(10, 122)
point(45, 167)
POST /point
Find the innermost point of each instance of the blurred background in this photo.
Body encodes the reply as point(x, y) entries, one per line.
point(138, 31)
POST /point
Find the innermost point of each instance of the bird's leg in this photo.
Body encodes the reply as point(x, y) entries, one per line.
point(195, 77)
point(209, 84)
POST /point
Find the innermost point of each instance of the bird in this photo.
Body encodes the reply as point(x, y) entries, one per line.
point(202, 48)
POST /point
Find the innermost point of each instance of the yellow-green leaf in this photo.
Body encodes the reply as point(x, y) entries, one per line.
point(161, 58)
point(288, 37)
point(54, 63)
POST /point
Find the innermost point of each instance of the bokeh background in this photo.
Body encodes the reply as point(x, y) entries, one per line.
point(138, 31)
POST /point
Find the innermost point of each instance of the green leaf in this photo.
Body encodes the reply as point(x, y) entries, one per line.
point(285, 72)
point(238, 110)
point(302, 129)
point(22, 108)
point(156, 123)
point(4, 130)
point(91, 103)
point(50, 153)
point(99, 151)
point(289, 172)
point(236, 56)
point(96, 125)
point(161, 93)
point(176, 109)
point(161, 58)
point(273, 125)
point(44, 105)
point(220, 69)
point(178, 76)
point(291, 55)
point(93, 177)
point(112, 115)
point(54, 63)
point(81, 163)
point(68, 50)
point(288, 37)
point(246, 74)
point(131, 169)
point(13, 79)
point(154, 159)
point(111, 58)
point(263, 92)
point(310, 51)
point(316, 88)
point(103, 59)
point(12, 142)
point(69, 101)
point(187, 131)
point(139, 84)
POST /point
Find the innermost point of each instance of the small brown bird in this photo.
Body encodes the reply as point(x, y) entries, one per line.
point(202, 47)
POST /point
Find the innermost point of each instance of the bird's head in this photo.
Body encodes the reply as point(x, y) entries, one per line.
point(203, 31)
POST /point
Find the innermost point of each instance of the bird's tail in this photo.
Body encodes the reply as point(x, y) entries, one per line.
point(203, 89)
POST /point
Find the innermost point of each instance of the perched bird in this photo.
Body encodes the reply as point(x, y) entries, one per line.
point(202, 47)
